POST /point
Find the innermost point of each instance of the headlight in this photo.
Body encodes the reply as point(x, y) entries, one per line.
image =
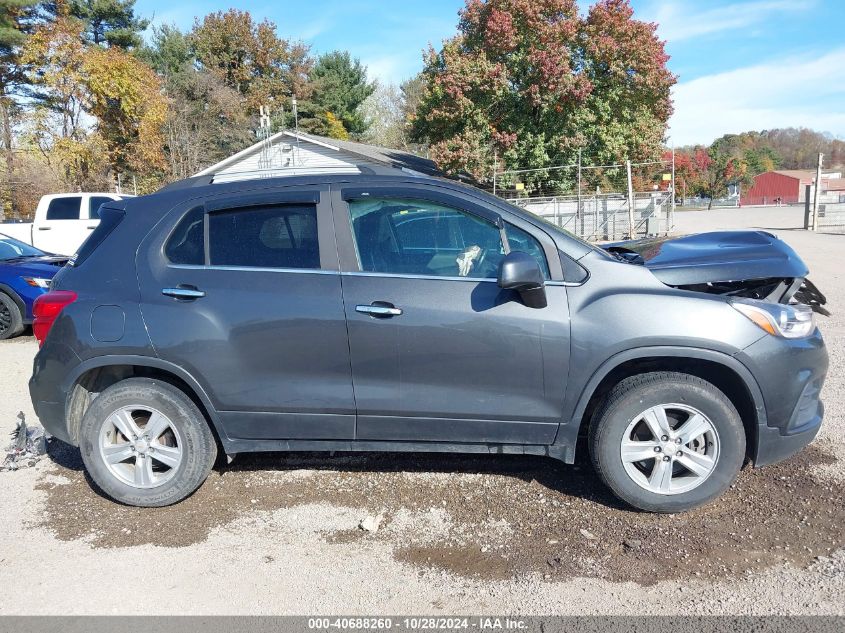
point(778, 319)
point(37, 282)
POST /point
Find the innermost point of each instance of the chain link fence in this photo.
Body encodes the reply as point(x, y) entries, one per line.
point(597, 203)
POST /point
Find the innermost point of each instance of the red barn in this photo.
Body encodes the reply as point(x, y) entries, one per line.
point(786, 186)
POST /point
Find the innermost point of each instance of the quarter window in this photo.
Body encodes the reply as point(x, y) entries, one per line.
point(283, 236)
point(187, 243)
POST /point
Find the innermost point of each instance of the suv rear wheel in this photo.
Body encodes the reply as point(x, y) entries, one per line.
point(145, 443)
point(667, 442)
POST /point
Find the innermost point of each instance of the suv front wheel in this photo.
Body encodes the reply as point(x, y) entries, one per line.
point(145, 443)
point(667, 442)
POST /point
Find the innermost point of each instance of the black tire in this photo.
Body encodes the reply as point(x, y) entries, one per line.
point(11, 319)
point(199, 449)
point(631, 397)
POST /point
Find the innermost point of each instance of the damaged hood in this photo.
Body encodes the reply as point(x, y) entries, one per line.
point(719, 256)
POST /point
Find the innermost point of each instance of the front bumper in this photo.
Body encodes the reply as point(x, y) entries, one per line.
point(790, 374)
point(773, 447)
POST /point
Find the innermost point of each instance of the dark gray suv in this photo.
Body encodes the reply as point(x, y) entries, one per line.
point(381, 312)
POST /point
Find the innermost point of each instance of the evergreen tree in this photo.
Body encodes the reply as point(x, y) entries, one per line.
point(340, 87)
point(107, 22)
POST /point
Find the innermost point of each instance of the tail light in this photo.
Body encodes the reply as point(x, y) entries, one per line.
point(46, 309)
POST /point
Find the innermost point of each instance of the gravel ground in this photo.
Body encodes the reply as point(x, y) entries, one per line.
point(279, 534)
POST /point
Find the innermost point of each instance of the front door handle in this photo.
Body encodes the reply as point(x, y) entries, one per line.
point(379, 310)
point(183, 293)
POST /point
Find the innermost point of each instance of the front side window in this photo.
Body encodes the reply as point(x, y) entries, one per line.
point(64, 208)
point(520, 240)
point(417, 237)
point(273, 236)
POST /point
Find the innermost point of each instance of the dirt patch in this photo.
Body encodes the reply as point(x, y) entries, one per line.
point(490, 517)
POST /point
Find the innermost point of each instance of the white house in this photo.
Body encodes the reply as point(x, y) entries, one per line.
point(296, 153)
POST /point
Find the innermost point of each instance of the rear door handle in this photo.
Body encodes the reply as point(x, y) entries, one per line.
point(377, 310)
point(44, 228)
point(183, 293)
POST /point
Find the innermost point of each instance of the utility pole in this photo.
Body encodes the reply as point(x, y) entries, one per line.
point(816, 193)
point(672, 207)
point(295, 128)
point(630, 200)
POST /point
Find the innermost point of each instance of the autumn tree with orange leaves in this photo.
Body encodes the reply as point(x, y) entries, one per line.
point(531, 82)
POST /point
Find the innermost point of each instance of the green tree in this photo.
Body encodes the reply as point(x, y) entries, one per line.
point(16, 22)
point(340, 87)
point(106, 22)
point(169, 51)
point(207, 119)
point(532, 81)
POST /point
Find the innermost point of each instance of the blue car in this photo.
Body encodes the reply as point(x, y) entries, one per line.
point(25, 274)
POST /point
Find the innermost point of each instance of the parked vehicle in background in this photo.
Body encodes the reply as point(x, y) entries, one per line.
point(62, 221)
point(25, 274)
point(378, 312)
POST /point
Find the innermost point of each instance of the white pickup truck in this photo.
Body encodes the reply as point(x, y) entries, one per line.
point(62, 221)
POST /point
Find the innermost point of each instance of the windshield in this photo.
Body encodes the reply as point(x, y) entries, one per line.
point(11, 248)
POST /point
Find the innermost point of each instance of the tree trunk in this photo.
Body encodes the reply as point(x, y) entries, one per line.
point(6, 131)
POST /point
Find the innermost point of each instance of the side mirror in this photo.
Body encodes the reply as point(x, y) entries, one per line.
point(521, 273)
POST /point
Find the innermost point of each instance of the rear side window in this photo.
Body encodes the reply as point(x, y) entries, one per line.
point(64, 208)
point(109, 219)
point(278, 236)
point(94, 204)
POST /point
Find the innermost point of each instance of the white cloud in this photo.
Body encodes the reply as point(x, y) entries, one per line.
point(679, 21)
point(795, 92)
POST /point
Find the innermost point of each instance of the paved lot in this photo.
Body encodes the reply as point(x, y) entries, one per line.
point(278, 533)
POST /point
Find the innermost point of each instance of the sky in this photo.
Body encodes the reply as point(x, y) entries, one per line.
point(741, 64)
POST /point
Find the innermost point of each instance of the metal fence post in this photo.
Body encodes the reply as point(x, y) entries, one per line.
point(807, 189)
point(817, 192)
point(630, 200)
point(495, 169)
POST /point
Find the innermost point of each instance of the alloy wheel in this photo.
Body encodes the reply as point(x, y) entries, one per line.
point(5, 318)
point(670, 449)
point(141, 446)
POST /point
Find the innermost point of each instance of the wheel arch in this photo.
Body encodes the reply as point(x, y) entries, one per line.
point(724, 371)
point(94, 375)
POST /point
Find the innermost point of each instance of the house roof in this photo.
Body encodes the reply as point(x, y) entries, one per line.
point(369, 153)
point(835, 184)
